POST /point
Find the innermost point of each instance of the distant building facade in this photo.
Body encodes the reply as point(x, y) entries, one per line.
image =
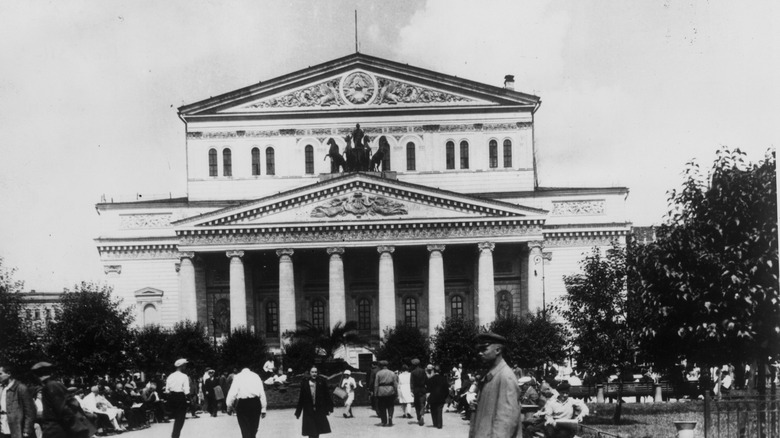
point(41, 308)
point(451, 222)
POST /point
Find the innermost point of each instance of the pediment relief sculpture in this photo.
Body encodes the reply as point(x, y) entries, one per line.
point(360, 205)
point(358, 88)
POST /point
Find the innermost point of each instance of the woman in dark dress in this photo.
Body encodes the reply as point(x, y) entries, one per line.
point(315, 403)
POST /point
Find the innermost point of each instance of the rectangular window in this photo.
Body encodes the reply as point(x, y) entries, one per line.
point(493, 152)
point(227, 163)
point(450, 155)
point(507, 153)
point(213, 162)
point(464, 155)
point(410, 157)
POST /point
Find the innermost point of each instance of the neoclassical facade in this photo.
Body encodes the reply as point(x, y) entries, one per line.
point(450, 222)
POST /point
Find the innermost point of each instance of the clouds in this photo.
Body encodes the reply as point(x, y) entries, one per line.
point(630, 91)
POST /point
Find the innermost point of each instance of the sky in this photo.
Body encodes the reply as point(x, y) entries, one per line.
point(631, 91)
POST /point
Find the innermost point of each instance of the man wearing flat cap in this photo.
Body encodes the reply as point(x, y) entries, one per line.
point(561, 413)
point(417, 382)
point(62, 415)
point(177, 386)
point(497, 412)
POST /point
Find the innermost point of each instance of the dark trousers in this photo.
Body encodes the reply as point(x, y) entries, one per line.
point(212, 404)
point(248, 416)
point(386, 408)
point(178, 403)
point(436, 411)
point(419, 405)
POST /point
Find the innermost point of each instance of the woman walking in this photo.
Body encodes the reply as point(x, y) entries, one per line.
point(405, 397)
point(315, 403)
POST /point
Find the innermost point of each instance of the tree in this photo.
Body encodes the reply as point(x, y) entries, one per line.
point(188, 340)
point(532, 341)
point(92, 335)
point(299, 355)
point(243, 348)
point(709, 282)
point(150, 344)
point(402, 344)
point(21, 347)
point(325, 340)
point(454, 343)
point(598, 313)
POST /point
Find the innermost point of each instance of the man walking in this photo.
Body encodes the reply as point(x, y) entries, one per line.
point(438, 390)
point(386, 390)
point(247, 397)
point(417, 382)
point(177, 386)
point(498, 410)
point(62, 415)
point(17, 409)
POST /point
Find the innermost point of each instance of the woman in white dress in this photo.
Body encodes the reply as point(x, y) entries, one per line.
point(405, 391)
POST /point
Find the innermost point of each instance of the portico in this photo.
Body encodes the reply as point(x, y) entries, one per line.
point(363, 248)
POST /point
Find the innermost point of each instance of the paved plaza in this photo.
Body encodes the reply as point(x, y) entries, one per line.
point(282, 424)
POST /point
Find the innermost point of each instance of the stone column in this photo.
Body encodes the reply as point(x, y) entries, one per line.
point(237, 290)
point(337, 298)
point(536, 298)
point(486, 288)
point(386, 289)
point(188, 304)
point(436, 302)
point(287, 319)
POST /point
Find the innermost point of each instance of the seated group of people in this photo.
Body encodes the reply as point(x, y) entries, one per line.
point(122, 408)
point(549, 412)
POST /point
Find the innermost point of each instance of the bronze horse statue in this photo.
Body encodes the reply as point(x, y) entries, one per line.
point(336, 160)
point(379, 157)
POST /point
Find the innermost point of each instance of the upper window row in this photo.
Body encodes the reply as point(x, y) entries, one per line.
point(227, 162)
point(411, 158)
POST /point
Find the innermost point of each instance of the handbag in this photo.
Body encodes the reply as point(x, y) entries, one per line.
point(339, 391)
point(218, 394)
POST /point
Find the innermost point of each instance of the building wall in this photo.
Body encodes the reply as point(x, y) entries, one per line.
point(158, 274)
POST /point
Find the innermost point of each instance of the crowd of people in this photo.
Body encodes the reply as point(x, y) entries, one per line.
point(496, 400)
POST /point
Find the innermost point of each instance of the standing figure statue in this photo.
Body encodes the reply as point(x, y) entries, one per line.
point(365, 154)
point(336, 160)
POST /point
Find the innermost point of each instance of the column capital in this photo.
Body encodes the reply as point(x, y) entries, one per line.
point(231, 254)
point(385, 249)
point(433, 248)
point(536, 244)
point(490, 246)
point(285, 252)
point(336, 250)
point(186, 255)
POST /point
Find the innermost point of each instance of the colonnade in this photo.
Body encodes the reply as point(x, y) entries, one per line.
point(486, 305)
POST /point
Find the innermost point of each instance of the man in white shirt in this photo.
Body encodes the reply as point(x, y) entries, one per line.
point(562, 413)
point(247, 398)
point(177, 386)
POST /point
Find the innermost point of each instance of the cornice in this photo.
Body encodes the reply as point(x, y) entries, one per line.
point(149, 251)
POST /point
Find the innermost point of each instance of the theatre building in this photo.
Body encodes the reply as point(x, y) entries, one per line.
point(451, 222)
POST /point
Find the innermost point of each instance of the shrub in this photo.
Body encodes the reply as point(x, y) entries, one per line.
point(402, 344)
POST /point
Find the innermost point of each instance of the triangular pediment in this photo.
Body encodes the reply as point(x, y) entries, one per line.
point(358, 82)
point(360, 198)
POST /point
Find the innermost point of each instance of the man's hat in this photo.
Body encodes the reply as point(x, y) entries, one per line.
point(563, 387)
point(347, 372)
point(524, 380)
point(383, 363)
point(180, 362)
point(41, 365)
point(429, 367)
point(415, 361)
point(490, 338)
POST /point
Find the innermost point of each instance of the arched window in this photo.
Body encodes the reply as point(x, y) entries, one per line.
point(507, 153)
point(464, 154)
point(493, 149)
point(411, 162)
point(255, 161)
point(212, 162)
point(150, 315)
point(364, 314)
point(318, 314)
point(456, 306)
point(269, 161)
point(227, 163)
point(450, 155)
point(410, 312)
point(272, 318)
point(504, 305)
point(309, 152)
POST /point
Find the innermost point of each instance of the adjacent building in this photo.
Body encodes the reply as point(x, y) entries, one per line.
point(451, 222)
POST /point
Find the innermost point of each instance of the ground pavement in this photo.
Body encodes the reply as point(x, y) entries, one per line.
point(282, 424)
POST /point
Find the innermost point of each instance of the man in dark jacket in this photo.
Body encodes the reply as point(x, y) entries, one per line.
point(417, 382)
point(62, 416)
point(386, 391)
point(18, 407)
point(438, 388)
